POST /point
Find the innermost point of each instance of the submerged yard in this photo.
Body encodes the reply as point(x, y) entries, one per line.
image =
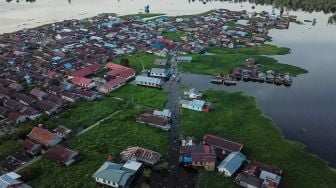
point(223, 60)
point(236, 117)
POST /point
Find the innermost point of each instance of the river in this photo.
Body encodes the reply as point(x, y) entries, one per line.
point(309, 104)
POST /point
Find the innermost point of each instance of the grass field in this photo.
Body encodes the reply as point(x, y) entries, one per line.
point(236, 117)
point(175, 36)
point(135, 62)
point(222, 60)
point(141, 95)
point(108, 138)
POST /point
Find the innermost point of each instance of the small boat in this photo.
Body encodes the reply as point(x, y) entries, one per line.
point(288, 79)
point(246, 75)
point(253, 75)
point(236, 73)
point(270, 76)
point(218, 79)
point(229, 81)
point(279, 79)
point(261, 77)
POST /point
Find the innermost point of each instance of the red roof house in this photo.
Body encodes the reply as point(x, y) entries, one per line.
point(221, 143)
point(83, 82)
point(44, 137)
point(112, 85)
point(61, 155)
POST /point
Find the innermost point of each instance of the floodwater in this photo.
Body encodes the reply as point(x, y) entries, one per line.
point(309, 104)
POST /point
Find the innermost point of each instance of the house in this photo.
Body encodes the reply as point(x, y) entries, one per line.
point(57, 101)
point(195, 104)
point(47, 107)
point(4, 112)
point(63, 132)
point(247, 181)
point(12, 180)
point(88, 95)
point(165, 113)
point(231, 163)
point(39, 94)
point(16, 117)
point(83, 82)
point(148, 81)
point(24, 99)
point(15, 86)
point(117, 70)
point(31, 147)
point(86, 71)
point(183, 59)
point(30, 113)
point(112, 85)
point(198, 156)
point(61, 155)
point(12, 104)
point(161, 62)
point(161, 73)
point(117, 175)
point(225, 146)
point(270, 180)
point(153, 120)
point(142, 155)
point(192, 94)
point(44, 137)
point(71, 97)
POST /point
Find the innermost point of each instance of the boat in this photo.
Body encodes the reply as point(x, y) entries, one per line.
point(288, 79)
point(237, 73)
point(217, 79)
point(279, 79)
point(246, 76)
point(229, 81)
point(270, 76)
point(261, 77)
point(253, 76)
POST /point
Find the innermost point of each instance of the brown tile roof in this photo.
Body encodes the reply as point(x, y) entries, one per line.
point(221, 143)
point(152, 119)
point(41, 136)
point(60, 154)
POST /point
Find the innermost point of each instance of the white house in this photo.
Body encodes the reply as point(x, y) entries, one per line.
point(195, 104)
point(157, 72)
point(231, 163)
point(148, 81)
point(183, 59)
point(192, 94)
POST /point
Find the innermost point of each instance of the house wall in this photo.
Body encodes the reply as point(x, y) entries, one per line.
point(224, 171)
point(109, 183)
point(148, 84)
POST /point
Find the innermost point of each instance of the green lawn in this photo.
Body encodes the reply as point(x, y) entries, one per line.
point(108, 138)
point(8, 147)
point(236, 117)
point(135, 62)
point(175, 36)
point(223, 60)
point(142, 95)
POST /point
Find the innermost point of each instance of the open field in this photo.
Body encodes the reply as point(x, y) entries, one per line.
point(222, 60)
point(141, 95)
point(236, 117)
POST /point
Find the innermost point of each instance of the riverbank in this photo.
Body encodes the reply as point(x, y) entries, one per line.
point(236, 117)
point(223, 60)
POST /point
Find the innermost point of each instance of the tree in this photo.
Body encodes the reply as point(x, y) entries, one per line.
point(124, 62)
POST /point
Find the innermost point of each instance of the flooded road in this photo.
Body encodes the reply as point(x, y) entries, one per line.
point(310, 103)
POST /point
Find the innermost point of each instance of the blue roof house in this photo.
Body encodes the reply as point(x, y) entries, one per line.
point(241, 33)
point(193, 105)
point(231, 163)
point(109, 45)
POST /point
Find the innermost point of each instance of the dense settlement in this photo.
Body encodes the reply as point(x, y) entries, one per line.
point(46, 69)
